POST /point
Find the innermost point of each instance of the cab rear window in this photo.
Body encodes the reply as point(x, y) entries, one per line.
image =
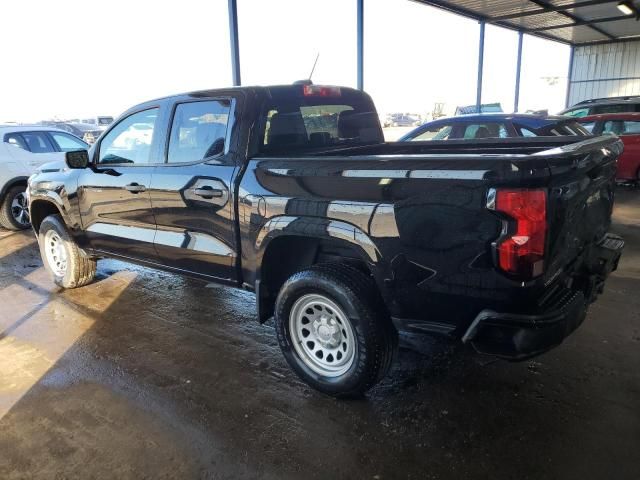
point(307, 117)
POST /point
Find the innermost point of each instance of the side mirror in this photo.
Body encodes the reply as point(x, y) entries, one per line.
point(77, 159)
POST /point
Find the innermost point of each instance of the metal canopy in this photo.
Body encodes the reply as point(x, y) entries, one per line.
point(575, 22)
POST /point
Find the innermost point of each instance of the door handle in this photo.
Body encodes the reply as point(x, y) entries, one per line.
point(208, 192)
point(135, 188)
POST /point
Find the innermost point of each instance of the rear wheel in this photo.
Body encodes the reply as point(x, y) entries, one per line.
point(65, 262)
point(333, 331)
point(14, 211)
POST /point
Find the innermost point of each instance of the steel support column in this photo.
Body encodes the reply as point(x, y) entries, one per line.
point(569, 77)
point(360, 34)
point(480, 69)
point(516, 99)
point(235, 46)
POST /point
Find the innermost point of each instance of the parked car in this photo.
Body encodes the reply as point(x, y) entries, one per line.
point(102, 122)
point(85, 131)
point(402, 120)
point(627, 127)
point(597, 106)
point(23, 149)
point(343, 238)
point(495, 125)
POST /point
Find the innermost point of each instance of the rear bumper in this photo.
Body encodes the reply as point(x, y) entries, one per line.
point(521, 336)
point(518, 337)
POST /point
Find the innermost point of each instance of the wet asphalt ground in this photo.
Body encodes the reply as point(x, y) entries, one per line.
point(144, 374)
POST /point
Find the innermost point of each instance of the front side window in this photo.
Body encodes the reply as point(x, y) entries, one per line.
point(612, 126)
point(67, 143)
point(130, 141)
point(37, 142)
point(199, 131)
point(440, 132)
point(485, 130)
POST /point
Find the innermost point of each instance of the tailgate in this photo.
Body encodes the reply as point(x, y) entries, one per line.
point(581, 195)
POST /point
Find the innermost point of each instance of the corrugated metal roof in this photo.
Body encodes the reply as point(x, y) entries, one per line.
point(577, 22)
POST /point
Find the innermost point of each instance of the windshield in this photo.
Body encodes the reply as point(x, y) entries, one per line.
point(307, 117)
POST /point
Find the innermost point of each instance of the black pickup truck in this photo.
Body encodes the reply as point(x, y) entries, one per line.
point(292, 193)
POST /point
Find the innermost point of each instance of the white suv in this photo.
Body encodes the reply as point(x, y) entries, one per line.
point(23, 149)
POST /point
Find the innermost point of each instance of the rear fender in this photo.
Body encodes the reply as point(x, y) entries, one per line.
point(317, 228)
point(309, 228)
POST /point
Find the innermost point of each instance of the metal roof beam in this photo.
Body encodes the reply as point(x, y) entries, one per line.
point(573, 17)
point(550, 9)
point(442, 5)
point(579, 23)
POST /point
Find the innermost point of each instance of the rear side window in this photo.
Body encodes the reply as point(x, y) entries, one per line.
point(631, 128)
point(310, 116)
point(616, 108)
point(15, 140)
point(199, 131)
point(622, 127)
point(37, 142)
point(557, 129)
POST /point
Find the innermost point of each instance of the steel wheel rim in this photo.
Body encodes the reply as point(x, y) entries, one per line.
point(322, 335)
point(56, 253)
point(20, 209)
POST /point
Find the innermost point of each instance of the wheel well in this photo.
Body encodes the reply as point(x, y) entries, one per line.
point(22, 182)
point(287, 255)
point(39, 210)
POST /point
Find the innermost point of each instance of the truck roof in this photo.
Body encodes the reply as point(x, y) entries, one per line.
point(293, 89)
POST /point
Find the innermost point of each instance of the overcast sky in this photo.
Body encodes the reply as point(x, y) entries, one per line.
point(74, 58)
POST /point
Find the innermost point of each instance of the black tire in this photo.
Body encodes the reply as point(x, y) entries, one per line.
point(7, 217)
point(80, 269)
point(357, 296)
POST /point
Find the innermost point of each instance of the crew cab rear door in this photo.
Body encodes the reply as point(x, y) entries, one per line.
point(114, 200)
point(191, 193)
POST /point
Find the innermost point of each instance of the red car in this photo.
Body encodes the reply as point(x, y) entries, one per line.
point(627, 127)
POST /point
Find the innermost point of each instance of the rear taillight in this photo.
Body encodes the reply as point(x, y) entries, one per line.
point(520, 251)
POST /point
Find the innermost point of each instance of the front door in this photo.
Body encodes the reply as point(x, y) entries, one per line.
point(115, 205)
point(192, 195)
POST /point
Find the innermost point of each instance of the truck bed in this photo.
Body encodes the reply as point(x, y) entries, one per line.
point(420, 208)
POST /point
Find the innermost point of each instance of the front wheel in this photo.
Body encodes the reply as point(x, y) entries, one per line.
point(333, 329)
point(14, 211)
point(66, 263)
